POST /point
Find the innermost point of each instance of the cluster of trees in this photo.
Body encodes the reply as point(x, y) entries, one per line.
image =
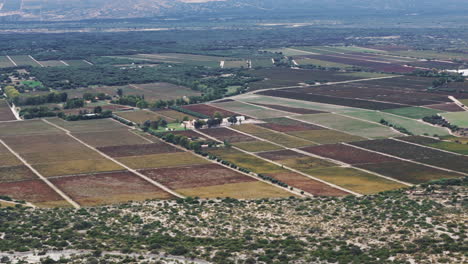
point(154, 125)
point(74, 103)
point(36, 112)
point(440, 121)
point(401, 129)
point(93, 97)
point(20, 100)
point(85, 115)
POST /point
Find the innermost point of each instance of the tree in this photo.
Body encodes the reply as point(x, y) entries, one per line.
point(232, 120)
point(199, 123)
point(154, 125)
point(97, 110)
point(120, 92)
point(218, 115)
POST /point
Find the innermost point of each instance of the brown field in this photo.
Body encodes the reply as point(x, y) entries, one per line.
point(16, 173)
point(225, 134)
point(34, 191)
point(175, 115)
point(139, 150)
point(325, 136)
point(108, 188)
point(73, 167)
point(7, 158)
point(110, 138)
point(140, 116)
point(448, 107)
point(28, 127)
point(348, 154)
point(294, 110)
point(5, 112)
point(208, 110)
point(162, 160)
point(196, 176)
point(307, 184)
point(257, 146)
point(96, 125)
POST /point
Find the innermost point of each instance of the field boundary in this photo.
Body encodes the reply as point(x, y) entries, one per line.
point(44, 179)
point(428, 147)
point(408, 160)
point(286, 167)
point(155, 183)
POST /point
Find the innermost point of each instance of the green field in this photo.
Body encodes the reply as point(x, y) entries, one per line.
point(24, 60)
point(293, 103)
point(349, 125)
point(459, 119)
point(273, 136)
point(414, 126)
point(32, 84)
point(5, 62)
point(250, 110)
point(413, 112)
point(461, 147)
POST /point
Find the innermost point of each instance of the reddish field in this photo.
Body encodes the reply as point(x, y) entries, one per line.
point(138, 150)
point(35, 191)
point(450, 107)
point(196, 176)
point(281, 155)
point(309, 185)
point(108, 188)
point(348, 154)
point(290, 109)
point(227, 134)
point(208, 110)
point(288, 125)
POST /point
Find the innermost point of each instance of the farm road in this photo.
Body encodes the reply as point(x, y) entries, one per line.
point(153, 182)
point(44, 179)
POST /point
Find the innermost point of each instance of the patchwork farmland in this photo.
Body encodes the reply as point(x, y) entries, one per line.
point(300, 131)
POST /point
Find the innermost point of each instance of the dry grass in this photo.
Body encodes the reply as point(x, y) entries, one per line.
point(257, 146)
point(111, 138)
point(245, 190)
point(16, 173)
point(355, 180)
point(162, 160)
point(77, 167)
point(140, 116)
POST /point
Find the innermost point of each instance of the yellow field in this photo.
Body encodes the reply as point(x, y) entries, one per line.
point(245, 190)
point(355, 180)
point(247, 161)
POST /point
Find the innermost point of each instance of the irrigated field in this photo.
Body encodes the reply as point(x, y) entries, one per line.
point(350, 125)
point(459, 119)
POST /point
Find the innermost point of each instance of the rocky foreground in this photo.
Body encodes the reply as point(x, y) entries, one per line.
point(425, 224)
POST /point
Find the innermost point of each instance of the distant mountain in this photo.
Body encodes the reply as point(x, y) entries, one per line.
point(100, 9)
